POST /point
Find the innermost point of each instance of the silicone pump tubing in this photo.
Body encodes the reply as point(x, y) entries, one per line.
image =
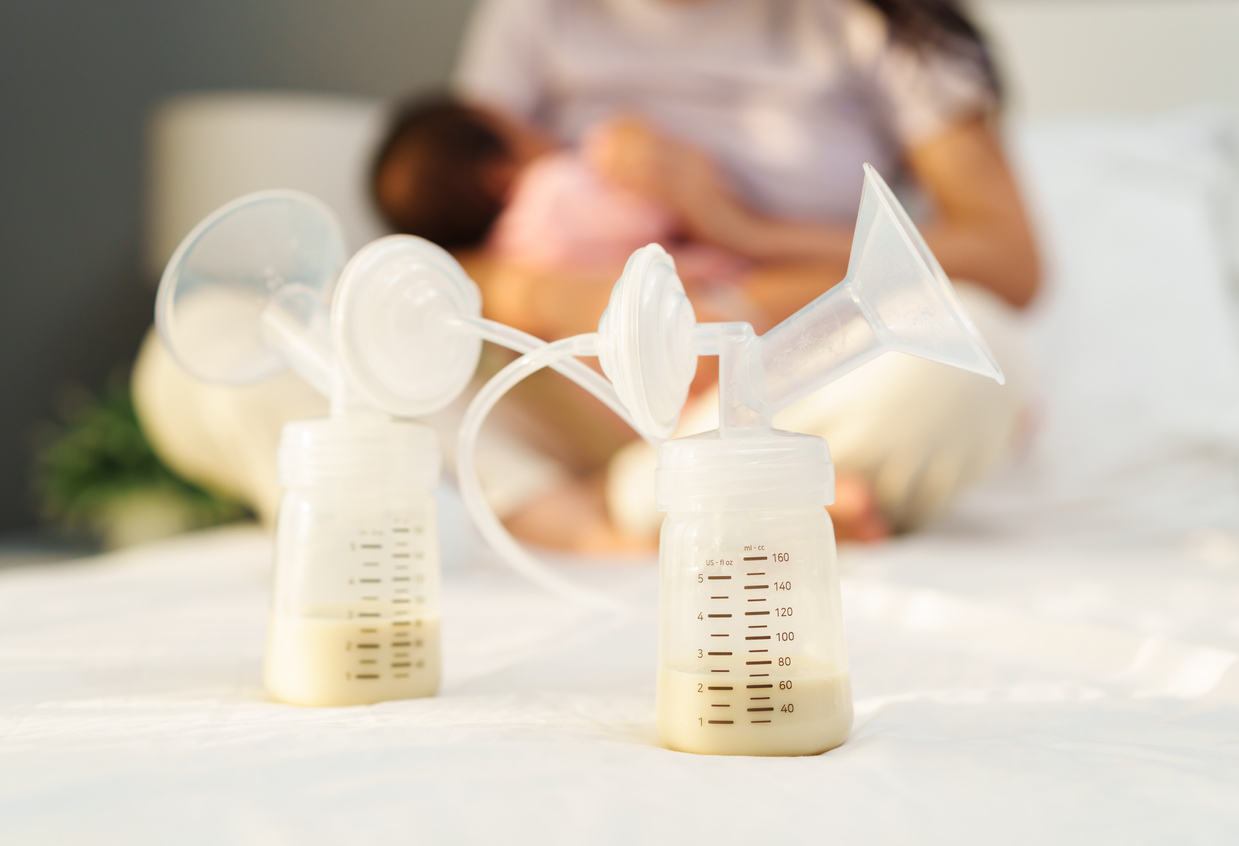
point(559, 356)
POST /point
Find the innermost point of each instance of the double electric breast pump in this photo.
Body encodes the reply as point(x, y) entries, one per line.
point(752, 657)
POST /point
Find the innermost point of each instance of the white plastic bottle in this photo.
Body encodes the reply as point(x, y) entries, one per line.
point(355, 608)
point(751, 653)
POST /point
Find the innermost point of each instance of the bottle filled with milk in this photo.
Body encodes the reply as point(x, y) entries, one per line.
point(355, 606)
point(751, 653)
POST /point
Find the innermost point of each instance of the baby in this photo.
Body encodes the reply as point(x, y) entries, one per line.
point(466, 178)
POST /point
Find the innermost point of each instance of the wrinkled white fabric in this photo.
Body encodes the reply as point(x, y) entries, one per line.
point(1003, 695)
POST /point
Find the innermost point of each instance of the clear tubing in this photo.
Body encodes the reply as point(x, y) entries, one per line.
point(582, 374)
point(558, 356)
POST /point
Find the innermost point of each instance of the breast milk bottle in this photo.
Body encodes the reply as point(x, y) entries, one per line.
point(751, 654)
point(355, 609)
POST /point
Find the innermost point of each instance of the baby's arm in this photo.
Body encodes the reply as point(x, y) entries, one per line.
point(629, 152)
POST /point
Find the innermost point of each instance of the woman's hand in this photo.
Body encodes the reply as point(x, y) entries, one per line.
point(629, 153)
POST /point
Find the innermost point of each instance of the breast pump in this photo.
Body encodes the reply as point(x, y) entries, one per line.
point(355, 607)
point(262, 284)
point(751, 649)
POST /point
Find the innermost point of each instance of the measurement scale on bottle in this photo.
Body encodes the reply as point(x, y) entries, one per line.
point(390, 636)
point(747, 612)
point(758, 678)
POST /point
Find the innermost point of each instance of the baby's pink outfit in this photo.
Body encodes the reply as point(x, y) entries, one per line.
point(563, 217)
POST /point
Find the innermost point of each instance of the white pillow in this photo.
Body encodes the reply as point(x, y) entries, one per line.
point(1134, 334)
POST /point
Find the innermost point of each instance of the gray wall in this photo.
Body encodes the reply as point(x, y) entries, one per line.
point(77, 78)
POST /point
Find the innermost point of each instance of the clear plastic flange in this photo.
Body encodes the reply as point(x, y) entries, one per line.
point(225, 272)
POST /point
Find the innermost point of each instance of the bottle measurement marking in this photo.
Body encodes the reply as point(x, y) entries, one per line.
point(400, 530)
point(400, 555)
point(759, 690)
point(372, 546)
point(370, 581)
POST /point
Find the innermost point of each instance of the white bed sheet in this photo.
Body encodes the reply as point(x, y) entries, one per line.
point(1038, 679)
point(1003, 694)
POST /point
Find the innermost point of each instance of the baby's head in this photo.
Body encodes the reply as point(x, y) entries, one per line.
point(443, 172)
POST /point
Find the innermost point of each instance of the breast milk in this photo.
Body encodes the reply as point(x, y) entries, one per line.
point(331, 659)
point(799, 715)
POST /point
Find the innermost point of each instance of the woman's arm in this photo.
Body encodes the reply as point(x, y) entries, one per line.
point(979, 232)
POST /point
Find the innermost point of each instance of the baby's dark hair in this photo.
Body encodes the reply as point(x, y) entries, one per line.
point(427, 178)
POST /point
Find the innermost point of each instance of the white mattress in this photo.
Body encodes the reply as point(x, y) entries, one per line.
point(1060, 695)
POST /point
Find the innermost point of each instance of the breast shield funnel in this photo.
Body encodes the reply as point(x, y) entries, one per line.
point(248, 292)
point(895, 297)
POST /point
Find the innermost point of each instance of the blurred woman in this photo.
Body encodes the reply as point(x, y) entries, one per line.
point(751, 118)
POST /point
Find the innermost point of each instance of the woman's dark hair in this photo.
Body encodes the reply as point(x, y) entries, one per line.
point(942, 25)
point(444, 147)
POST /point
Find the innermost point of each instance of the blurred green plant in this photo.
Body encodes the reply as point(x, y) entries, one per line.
point(99, 472)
